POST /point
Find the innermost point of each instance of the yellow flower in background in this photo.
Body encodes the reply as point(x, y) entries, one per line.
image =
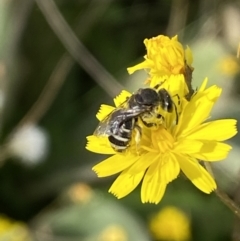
point(12, 230)
point(113, 233)
point(162, 153)
point(165, 57)
point(229, 66)
point(171, 224)
point(80, 193)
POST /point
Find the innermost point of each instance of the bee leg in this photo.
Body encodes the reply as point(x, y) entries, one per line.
point(149, 124)
point(156, 87)
point(177, 98)
point(159, 116)
point(138, 133)
point(175, 107)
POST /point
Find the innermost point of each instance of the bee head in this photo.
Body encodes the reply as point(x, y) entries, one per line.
point(147, 97)
point(166, 100)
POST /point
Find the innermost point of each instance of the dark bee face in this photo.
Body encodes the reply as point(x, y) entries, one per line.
point(166, 100)
point(147, 97)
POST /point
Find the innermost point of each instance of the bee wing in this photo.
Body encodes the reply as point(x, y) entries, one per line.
point(103, 128)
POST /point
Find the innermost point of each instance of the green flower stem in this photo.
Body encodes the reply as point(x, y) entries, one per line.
point(76, 49)
point(223, 196)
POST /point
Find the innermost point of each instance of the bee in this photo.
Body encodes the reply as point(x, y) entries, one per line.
point(118, 126)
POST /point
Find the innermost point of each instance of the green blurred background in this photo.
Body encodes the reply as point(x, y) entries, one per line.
point(46, 182)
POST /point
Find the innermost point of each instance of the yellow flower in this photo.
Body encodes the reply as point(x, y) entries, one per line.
point(13, 230)
point(229, 66)
point(113, 233)
point(171, 224)
point(162, 153)
point(80, 193)
point(164, 57)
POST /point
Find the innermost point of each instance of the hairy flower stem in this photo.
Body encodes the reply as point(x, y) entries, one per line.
point(223, 196)
point(188, 80)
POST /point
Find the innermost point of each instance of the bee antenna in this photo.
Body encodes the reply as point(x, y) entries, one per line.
point(158, 85)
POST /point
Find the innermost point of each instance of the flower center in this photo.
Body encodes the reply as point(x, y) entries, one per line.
point(162, 140)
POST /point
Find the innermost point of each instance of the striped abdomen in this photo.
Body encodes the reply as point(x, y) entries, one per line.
point(120, 140)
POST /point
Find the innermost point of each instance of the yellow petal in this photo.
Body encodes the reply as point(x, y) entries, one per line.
point(143, 65)
point(205, 183)
point(104, 111)
point(175, 38)
point(203, 85)
point(114, 164)
point(218, 130)
point(186, 146)
point(197, 174)
point(99, 145)
point(176, 86)
point(156, 80)
point(198, 111)
point(169, 168)
point(125, 183)
point(152, 189)
point(188, 56)
point(143, 163)
point(213, 151)
point(195, 112)
point(121, 98)
point(213, 93)
point(146, 192)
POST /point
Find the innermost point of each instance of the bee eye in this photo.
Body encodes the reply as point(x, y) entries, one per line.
point(139, 99)
point(148, 97)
